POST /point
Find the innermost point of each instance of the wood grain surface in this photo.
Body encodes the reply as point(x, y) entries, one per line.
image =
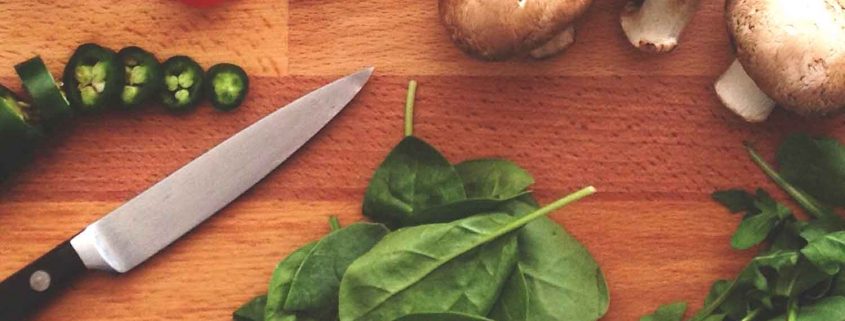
point(647, 131)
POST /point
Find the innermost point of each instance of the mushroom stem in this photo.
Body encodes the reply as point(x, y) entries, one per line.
point(560, 42)
point(655, 25)
point(741, 95)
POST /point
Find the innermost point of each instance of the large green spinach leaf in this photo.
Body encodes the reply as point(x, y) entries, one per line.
point(442, 316)
point(252, 310)
point(449, 267)
point(317, 279)
point(817, 166)
point(413, 177)
point(667, 312)
point(562, 280)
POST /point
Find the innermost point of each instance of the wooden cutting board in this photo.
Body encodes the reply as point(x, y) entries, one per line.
point(647, 131)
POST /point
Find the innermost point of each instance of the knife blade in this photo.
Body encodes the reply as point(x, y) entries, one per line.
point(146, 224)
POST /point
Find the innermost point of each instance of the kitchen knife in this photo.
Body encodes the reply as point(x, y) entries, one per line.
point(140, 228)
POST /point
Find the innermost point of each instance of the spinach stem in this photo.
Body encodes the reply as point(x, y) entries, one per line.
point(409, 108)
point(334, 223)
point(806, 201)
point(553, 206)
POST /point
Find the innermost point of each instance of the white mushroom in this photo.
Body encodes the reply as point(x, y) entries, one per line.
point(500, 29)
point(793, 52)
point(655, 25)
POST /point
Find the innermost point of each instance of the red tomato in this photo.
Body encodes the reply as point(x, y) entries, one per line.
point(202, 3)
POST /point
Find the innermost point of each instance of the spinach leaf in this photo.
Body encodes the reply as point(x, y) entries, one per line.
point(317, 280)
point(760, 222)
point(252, 310)
point(827, 252)
point(667, 312)
point(488, 183)
point(736, 200)
point(816, 166)
point(442, 316)
point(464, 276)
point(413, 177)
point(512, 304)
point(562, 279)
point(496, 179)
point(280, 285)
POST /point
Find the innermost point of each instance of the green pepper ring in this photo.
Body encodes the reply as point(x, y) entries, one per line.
point(53, 107)
point(18, 133)
point(179, 70)
point(151, 75)
point(227, 93)
point(92, 55)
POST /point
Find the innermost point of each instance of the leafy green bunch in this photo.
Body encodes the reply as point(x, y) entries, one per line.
point(466, 242)
point(797, 276)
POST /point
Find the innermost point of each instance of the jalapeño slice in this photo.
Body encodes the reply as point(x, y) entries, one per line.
point(227, 86)
point(142, 76)
point(183, 83)
point(93, 78)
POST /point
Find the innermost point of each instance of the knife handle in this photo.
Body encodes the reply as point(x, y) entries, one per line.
point(26, 290)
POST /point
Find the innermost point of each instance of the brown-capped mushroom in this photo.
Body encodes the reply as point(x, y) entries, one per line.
point(655, 25)
point(498, 29)
point(793, 51)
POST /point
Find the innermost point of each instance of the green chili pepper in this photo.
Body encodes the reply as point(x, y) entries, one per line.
point(183, 83)
point(53, 107)
point(142, 76)
point(93, 78)
point(227, 86)
point(18, 131)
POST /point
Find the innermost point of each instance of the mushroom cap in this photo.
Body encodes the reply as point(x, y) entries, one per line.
point(794, 50)
point(499, 29)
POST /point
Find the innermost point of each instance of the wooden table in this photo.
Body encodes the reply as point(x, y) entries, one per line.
point(647, 131)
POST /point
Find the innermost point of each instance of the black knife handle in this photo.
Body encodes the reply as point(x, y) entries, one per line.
point(32, 286)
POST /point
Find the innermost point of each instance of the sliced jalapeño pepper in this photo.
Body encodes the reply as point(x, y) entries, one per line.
point(227, 86)
point(93, 78)
point(142, 76)
point(183, 83)
point(53, 107)
point(19, 132)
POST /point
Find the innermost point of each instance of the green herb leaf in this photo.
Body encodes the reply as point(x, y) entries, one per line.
point(668, 312)
point(817, 166)
point(413, 177)
point(252, 310)
point(442, 316)
point(736, 200)
point(464, 276)
point(827, 252)
point(317, 280)
point(762, 219)
point(827, 309)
